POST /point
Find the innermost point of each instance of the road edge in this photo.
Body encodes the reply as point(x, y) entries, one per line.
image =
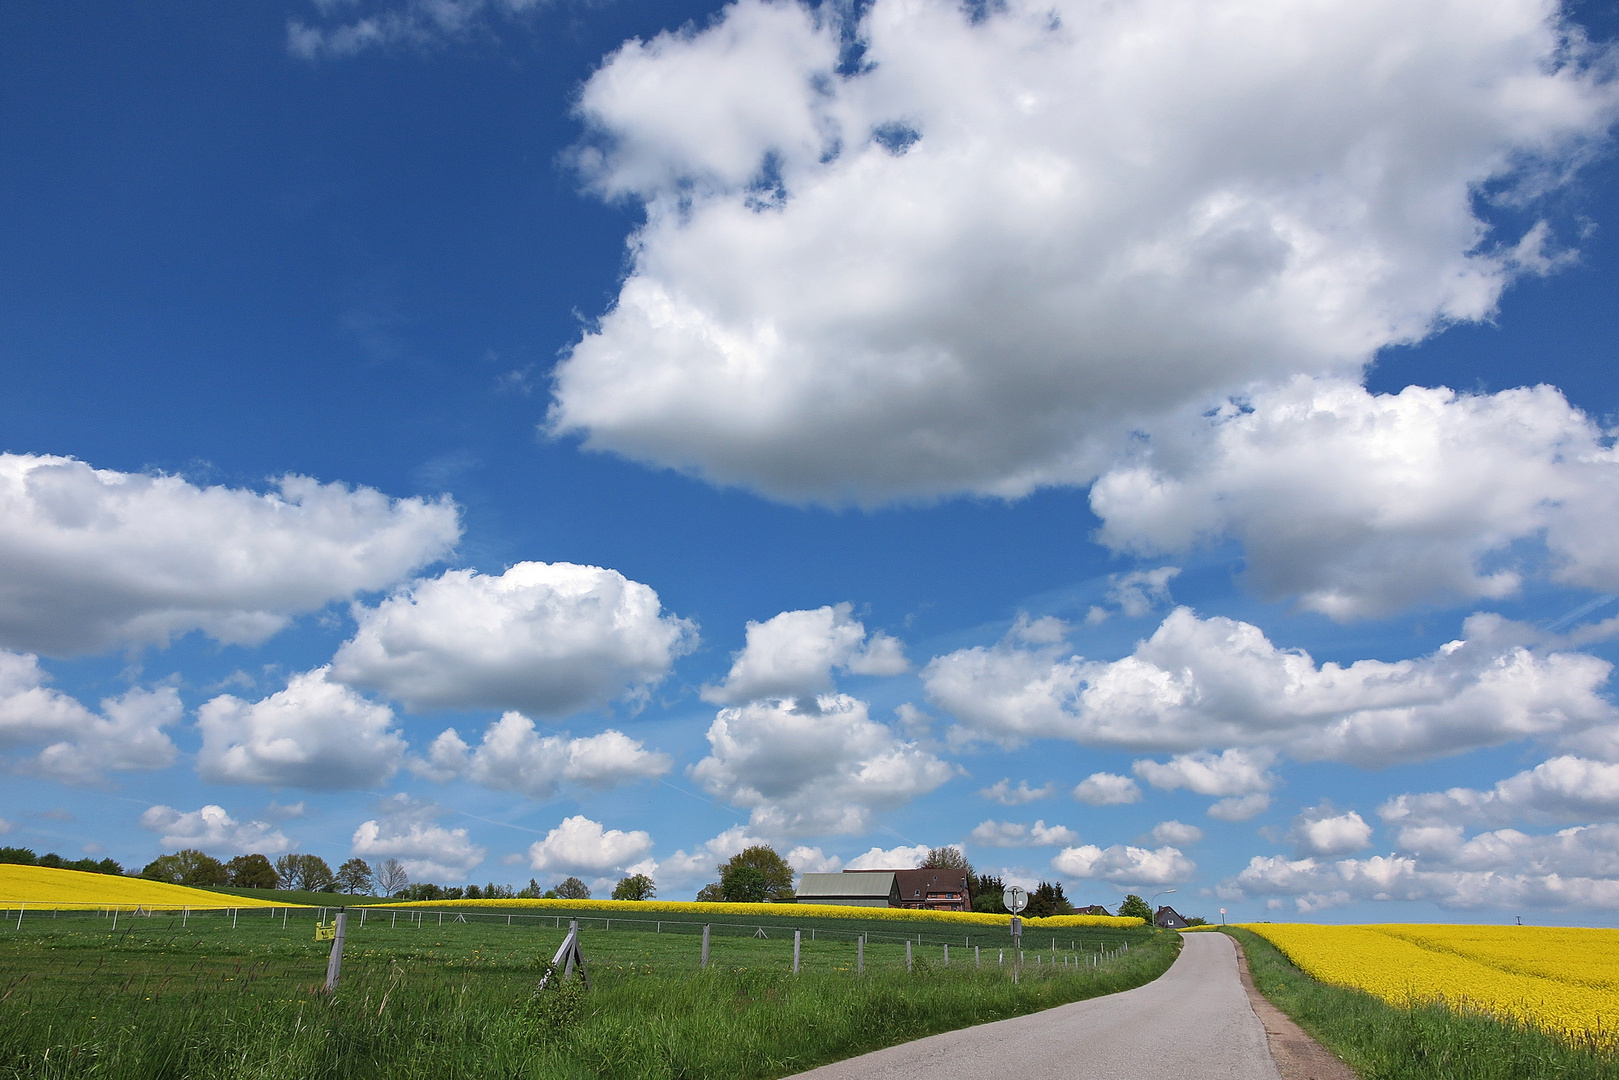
point(1297, 1055)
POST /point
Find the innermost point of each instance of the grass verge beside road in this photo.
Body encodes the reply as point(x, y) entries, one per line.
point(420, 999)
point(1419, 1042)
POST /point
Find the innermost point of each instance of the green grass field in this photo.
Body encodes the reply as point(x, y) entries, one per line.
point(1425, 1042)
point(166, 996)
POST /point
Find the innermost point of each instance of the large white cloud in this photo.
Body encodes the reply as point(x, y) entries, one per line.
point(814, 766)
point(544, 638)
point(514, 757)
point(408, 830)
point(999, 243)
point(315, 734)
point(1361, 504)
point(1574, 868)
point(794, 654)
point(75, 744)
point(1198, 683)
point(1125, 864)
point(212, 829)
point(1566, 788)
point(91, 558)
point(582, 846)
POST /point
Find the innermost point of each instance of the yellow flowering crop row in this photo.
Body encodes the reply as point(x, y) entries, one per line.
point(69, 890)
point(781, 911)
point(1564, 980)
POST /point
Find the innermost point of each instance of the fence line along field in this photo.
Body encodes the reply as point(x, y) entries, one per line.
point(1563, 980)
point(448, 990)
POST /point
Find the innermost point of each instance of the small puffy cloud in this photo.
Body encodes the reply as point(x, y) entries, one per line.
point(1125, 865)
point(899, 858)
point(794, 654)
point(1360, 505)
point(1576, 868)
point(1198, 682)
point(77, 745)
point(980, 260)
point(812, 860)
point(543, 638)
point(1319, 831)
point(1232, 772)
point(315, 734)
point(582, 846)
point(1176, 834)
point(1003, 792)
point(1016, 834)
point(91, 558)
point(813, 767)
point(1566, 788)
point(408, 830)
point(1107, 789)
point(1240, 807)
point(211, 829)
point(515, 757)
point(1136, 593)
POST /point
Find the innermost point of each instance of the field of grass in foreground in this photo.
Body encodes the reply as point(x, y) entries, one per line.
point(419, 999)
point(1381, 1041)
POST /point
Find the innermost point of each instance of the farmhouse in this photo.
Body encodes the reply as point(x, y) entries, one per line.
point(932, 889)
point(860, 890)
point(1170, 919)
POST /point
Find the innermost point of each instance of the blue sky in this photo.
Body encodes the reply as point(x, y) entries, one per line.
point(532, 439)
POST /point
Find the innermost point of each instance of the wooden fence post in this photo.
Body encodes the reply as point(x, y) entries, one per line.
point(947, 955)
point(907, 954)
point(798, 936)
point(860, 954)
point(705, 946)
point(334, 962)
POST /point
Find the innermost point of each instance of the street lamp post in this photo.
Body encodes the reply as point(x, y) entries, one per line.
point(1154, 904)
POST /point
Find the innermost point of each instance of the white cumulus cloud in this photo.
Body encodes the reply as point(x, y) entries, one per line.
point(408, 830)
point(212, 829)
point(1576, 868)
point(793, 654)
point(1565, 788)
point(582, 846)
point(1319, 831)
point(75, 744)
point(897, 858)
point(543, 638)
point(1176, 834)
point(1362, 504)
point(92, 558)
point(315, 734)
point(982, 257)
point(1017, 834)
point(1200, 682)
point(514, 757)
point(813, 767)
point(1125, 864)
point(1107, 789)
point(1004, 793)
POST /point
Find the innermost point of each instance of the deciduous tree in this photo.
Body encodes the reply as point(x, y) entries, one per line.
point(635, 887)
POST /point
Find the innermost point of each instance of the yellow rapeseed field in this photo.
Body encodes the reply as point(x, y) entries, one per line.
point(41, 886)
point(1561, 979)
point(793, 911)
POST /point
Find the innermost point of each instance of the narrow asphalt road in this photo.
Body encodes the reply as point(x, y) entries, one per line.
point(1193, 1022)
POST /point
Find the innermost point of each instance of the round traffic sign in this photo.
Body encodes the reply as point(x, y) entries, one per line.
point(1016, 898)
